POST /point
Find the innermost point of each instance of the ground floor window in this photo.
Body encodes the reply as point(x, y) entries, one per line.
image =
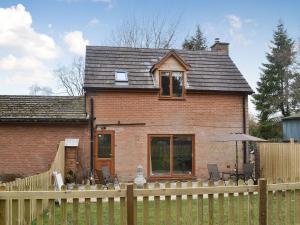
point(171, 155)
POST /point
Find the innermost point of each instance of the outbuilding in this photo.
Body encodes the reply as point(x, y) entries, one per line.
point(291, 127)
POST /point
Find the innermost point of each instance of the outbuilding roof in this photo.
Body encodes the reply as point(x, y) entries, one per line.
point(209, 70)
point(292, 117)
point(22, 108)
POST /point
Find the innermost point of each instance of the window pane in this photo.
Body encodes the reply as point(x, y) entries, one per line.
point(165, 84)
point(160, 156)
point(121, 76)
point(104, 146)
point(177, 84)
point(182, 155)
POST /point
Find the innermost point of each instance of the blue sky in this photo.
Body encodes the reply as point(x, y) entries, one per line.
point(37, 36)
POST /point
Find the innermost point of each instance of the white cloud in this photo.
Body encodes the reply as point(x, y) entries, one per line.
point(26, 54)
point(234, 21)
point(50, 25)
point(75, 42)
point(27, 63)
point(16, 32)
point(236, 25)
point(93, 22)
point(24, 71)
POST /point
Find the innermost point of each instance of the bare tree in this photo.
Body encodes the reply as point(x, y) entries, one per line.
point(38, 90)
point(151, 33)
point(71, 78)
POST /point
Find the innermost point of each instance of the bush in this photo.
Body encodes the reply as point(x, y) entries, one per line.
point(70, 177)
point(4, 178)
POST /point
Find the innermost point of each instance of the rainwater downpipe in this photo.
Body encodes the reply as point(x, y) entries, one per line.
point(244, 129)
point(92, 136)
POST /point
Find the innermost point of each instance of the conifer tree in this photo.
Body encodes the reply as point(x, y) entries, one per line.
point(274, 89)
point(195, 42)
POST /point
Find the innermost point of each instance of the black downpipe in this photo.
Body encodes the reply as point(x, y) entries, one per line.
point(92, 136)
point(244, 129)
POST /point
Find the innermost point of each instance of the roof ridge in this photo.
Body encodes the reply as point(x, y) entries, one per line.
point(154, 49)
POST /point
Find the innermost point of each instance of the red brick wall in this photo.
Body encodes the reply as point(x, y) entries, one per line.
point(205, 115)
point(30, 148)
point(71, 159)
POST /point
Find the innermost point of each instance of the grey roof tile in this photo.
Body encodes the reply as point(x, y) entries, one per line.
point(209, 71)
point(24, 108)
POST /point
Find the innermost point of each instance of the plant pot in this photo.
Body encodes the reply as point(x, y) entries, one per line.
point(70, 186)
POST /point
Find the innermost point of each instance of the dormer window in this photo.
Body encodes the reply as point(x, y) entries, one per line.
point(171, 84)
point(121, 77)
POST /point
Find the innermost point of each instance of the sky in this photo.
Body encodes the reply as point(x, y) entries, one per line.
point(38, 36)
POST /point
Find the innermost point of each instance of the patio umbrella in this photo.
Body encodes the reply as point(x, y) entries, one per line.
point(237, 137)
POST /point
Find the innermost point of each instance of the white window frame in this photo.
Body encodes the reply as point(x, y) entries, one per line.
point(121, 80)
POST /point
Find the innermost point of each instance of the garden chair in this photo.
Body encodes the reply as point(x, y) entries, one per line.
point(248, 171)
point(105, 178)
point(100, 177)
point(213, 172)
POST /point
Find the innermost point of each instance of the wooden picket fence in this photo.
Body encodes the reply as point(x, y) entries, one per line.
point(39, 182)
point(162, 204)
point(279, 160)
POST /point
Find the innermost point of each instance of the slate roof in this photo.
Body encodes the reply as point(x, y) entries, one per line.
point(21, 108)
point(209, 71)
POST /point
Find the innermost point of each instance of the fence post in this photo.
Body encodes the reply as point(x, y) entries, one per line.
point(262, 189)
point(2, 208)
point(130, 211)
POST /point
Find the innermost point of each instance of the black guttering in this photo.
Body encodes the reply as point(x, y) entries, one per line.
point(42, 120)
point(156, 89)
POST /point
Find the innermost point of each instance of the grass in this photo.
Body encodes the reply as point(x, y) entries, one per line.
point(152, 216)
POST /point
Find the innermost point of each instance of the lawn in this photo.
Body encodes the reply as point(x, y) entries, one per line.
point(162, 205)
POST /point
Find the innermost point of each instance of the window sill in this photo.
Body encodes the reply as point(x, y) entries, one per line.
point(172, 98)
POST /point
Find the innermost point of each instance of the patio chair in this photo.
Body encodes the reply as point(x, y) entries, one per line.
point(214, 173)
point(99, 174)
point(105, 178)
point(248, 171)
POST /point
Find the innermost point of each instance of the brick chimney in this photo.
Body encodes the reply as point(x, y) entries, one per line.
point(220, 46)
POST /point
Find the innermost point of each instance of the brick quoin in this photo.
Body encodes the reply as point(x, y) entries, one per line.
point(204, 114)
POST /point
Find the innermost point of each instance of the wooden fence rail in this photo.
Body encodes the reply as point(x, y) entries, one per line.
point(188, 203)
point(279, 160)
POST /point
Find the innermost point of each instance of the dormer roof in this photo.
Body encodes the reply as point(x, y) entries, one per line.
point(171, 53)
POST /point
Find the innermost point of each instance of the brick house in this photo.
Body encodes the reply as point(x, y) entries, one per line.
point(157, 108)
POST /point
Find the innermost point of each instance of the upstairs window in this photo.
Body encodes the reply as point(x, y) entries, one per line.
point(121, 76)
point(171, 84)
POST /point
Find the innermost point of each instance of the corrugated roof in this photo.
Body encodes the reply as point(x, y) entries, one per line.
point(209, 71)
point(22, 108)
